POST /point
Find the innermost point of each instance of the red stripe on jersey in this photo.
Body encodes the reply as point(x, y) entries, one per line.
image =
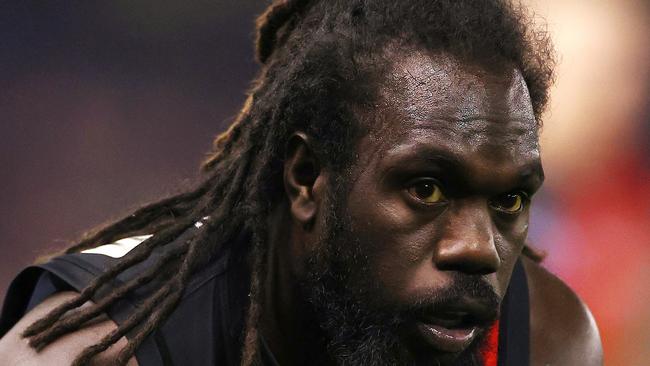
point(490, 349)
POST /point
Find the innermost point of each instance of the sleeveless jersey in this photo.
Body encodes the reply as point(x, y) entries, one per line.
point(206, 327)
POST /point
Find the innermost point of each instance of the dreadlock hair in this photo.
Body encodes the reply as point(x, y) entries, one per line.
point(321, 62)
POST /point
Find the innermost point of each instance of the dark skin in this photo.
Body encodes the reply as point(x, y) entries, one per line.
point(470, 132)
point(441, 186)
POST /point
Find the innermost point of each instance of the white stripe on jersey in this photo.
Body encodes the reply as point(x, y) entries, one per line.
point(121, 247)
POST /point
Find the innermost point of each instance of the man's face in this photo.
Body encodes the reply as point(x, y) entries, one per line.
point(422, 244)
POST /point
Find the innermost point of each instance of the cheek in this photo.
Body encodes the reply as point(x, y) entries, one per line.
point(510, 235)
point(398, 243)
point(381, 218)
point(510, 240)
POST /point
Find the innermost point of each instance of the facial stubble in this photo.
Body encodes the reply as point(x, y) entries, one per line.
point(354, 321)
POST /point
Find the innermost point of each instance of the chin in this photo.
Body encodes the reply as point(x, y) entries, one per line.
point(379, 348)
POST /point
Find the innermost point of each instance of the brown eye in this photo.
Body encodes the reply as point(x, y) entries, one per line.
point(427, 191)
point(510, 203)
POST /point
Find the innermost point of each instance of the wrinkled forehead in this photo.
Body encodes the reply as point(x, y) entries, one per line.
point(453, 102)
point(462, 90)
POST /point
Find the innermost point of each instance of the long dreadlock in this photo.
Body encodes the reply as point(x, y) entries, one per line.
point(320, 60)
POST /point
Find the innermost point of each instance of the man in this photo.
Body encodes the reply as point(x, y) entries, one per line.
point(369, 206)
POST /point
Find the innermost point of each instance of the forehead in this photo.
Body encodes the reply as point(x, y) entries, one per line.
point(435, 101)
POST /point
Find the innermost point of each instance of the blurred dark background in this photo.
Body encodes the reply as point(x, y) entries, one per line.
point(105, 105)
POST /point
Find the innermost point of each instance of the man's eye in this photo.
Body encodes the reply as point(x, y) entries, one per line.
point(426, 190)
point(510, 203)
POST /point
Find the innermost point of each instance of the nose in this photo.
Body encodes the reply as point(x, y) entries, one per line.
point(467, 243)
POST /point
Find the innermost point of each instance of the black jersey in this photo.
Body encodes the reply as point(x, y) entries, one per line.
point(206, 327)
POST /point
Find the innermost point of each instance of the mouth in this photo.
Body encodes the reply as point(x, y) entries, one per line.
point(447, 336)
point(453, 328)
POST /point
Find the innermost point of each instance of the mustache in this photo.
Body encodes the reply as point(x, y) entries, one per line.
point(465, 291)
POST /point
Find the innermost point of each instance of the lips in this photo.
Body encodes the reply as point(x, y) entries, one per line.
point(453, 327)
point(450, 337)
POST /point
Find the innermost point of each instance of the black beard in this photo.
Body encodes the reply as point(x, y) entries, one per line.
point(356, 326)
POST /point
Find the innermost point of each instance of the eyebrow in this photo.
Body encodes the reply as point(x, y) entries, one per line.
point(529, 175)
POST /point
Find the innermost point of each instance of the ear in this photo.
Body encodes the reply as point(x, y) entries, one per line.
point(302, 174)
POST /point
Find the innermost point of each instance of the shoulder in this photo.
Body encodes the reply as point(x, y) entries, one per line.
point(14, 349)
point(61, 278)
point(563, 330)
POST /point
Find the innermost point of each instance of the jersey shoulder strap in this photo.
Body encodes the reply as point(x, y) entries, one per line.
point(514, 323)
